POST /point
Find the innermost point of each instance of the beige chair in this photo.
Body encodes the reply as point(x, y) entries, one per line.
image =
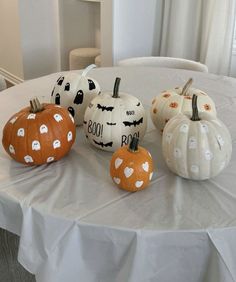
point(164, 62)
point(3, 84)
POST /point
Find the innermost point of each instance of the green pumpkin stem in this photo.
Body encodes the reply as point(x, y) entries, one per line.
point(195, 116)
point(35, 106)
point(133, 146)
point(186, 87)
point(116, 88)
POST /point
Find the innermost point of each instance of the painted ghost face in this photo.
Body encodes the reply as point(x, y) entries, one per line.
point(56, 144)
point(36, 145)
point(177, 153)
point(69, 136)
point(58, 117)
point(204, 128)
point(28, 159)
point(11, 149)
point(208, 155)
point(13, 120)
point(194, 168)
point(192, 142)
point(21, 132)
point(220, 140)
point(183, 128)
point(31, 116)
point(50, 159)
point(43, 129)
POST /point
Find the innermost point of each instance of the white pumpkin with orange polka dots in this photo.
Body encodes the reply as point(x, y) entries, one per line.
point(131, 167)
point(196, 146)
point(179, 100)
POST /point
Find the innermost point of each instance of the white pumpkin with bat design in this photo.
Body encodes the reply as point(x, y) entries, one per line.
point(179, 100)
point(196, 146)
point(112, 120)
point(74, 92)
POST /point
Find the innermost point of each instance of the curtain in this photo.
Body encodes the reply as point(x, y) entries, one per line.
point(200, 30)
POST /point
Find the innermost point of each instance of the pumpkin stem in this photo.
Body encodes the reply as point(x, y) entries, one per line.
point(186, 87)
point(116, 88)
point(195, 116)
point(133, 146)
point(35, 106)
point(88, 69)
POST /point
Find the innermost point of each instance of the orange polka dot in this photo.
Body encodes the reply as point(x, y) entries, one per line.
point(207, 107)
point(188, 97)
point(155, 110)
point(174, 105)
point(166, 95)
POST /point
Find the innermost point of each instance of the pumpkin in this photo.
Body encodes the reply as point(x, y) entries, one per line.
point(74, 92)
point(196, 147)
point(39, 134)
point(179, 100)
point(111, 120)
point(131, 167)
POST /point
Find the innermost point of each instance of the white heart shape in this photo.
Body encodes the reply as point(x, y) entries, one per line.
point(116, 180)
point(145, 166)
point(118, 162)
point(150, 176)
point(138, 184)
point(128, 171)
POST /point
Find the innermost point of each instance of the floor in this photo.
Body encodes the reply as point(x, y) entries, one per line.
point(10, 269)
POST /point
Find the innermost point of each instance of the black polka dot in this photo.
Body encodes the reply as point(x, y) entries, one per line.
point(79, 97)
point(91, 84)
point(67, 87)
point(71, 111)
point(57, 99)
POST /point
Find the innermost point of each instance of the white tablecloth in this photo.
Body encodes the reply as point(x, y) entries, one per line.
point(75, 225)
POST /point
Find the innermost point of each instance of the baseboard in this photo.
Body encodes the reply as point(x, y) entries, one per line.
point(10, 77)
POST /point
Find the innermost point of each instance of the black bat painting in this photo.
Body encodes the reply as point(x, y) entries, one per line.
point(104, 108)
point(60, 80)
point(91, 84)
point(57, 99)
point(67, 87)
point(110, 123)
point(79, 97)
point(101, 144)
point(134, 123)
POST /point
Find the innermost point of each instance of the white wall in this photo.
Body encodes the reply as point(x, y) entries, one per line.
point(10, 42)
point(79, 27)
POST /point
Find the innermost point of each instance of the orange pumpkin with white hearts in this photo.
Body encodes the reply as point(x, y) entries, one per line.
point(179, 100)
point(39, 134)
point(131, 167)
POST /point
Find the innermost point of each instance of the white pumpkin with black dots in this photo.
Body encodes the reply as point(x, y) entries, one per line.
point(196, 146)
point(113, 119)
point(74, 92)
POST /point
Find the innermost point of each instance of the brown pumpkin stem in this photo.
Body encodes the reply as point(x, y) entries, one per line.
point(133, 146)
point(35, 106)
point(116, 88)
point(186, 87)
point(195, 116)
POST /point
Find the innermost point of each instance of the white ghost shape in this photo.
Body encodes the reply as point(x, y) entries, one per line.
point(21, 132)
point(177, 153)
point(168, 137)
point(43, 129)
point(36, 145)
point(208, 155)
point(13, 120)
point(28, 159)
point(204, 128)
point(50, 159)
point(58, 117)
point(184, 128)
point(194, 168)
point(31, 116)
point(69, 136)
point(192, 142)
point(11, 149)
point(220, 140)
point(56, 144)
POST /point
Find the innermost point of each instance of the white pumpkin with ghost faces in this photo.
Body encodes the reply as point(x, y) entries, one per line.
point(179, 100)
point(113, 119)
point(74, 92)
point(196, 146)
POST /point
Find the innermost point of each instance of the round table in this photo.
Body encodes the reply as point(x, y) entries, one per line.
point(75, 225)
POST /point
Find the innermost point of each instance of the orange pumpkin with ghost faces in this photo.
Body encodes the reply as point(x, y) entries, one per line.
point(131, 167)
point(39, 134)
